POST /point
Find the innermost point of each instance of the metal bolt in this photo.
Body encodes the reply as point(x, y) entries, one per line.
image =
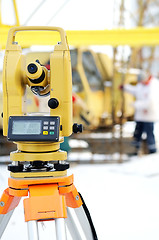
point(77, 197)
point(2, 204)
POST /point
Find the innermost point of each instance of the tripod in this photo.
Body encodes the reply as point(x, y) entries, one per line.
point(49, 199)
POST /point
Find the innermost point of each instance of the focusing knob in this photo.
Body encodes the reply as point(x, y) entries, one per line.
point(77, 128)
point(53, 103)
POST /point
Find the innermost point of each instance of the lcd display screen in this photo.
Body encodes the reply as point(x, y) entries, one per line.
point(28, 127)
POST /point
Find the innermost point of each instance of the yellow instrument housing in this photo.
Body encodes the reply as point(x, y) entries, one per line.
point(15, 79)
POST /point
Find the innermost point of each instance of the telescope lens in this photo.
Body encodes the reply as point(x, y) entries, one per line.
point(32, 68)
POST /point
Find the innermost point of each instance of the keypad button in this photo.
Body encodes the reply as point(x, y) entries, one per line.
point(52, 127)
point(51, 133)
point(45, 132)
point(46, 122)
point(52, 123)
point(45, 127)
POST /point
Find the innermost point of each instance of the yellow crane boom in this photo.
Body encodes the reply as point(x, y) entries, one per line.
point(139, 36)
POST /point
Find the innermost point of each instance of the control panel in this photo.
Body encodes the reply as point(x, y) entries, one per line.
point(33, 128)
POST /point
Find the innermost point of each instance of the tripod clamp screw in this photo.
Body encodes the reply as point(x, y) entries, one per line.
point(77, 197)
point(2, 204)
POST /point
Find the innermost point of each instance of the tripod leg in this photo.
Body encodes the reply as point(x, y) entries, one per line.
point(60, 229)
point(33, 230)
point(7, 205)
point(84, 222)
point(4, 219)
point(72, 226)
point(75, 200)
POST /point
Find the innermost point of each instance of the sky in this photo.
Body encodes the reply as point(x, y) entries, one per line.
point(69, 14)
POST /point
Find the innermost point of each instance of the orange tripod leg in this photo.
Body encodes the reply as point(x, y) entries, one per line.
point(7, 204)
point(73, 199)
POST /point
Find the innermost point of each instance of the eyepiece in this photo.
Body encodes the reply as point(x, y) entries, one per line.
point(32, 68)
point(37, 78)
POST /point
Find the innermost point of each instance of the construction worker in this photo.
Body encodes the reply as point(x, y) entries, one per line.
point(146, 106)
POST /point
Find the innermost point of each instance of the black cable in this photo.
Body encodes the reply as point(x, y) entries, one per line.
point(89, 218)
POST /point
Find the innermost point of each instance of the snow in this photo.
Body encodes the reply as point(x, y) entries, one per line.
point(122, 198)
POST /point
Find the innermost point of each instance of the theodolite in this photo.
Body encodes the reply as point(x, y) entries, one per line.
point(38, 138)
point(39, 167)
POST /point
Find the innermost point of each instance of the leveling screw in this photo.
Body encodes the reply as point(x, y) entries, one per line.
point(2, 204)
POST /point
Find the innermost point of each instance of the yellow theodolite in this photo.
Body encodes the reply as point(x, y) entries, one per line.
point(38, 167)
point(33, 129)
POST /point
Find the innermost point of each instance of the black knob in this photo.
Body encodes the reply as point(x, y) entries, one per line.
point(14, 168)
point(77, 128)
point(2, 114)
point(53, 103)
point(61, 167)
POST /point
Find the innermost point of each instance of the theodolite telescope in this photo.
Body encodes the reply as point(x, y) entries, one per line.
point(38, 76)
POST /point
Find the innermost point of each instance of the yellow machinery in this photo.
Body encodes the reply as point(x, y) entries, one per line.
point(136, 37)
point(92, 81)
point(88, 84)
point(105, 66)
point(113, 79)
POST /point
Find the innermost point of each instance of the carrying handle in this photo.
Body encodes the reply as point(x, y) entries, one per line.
point(12, 32)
